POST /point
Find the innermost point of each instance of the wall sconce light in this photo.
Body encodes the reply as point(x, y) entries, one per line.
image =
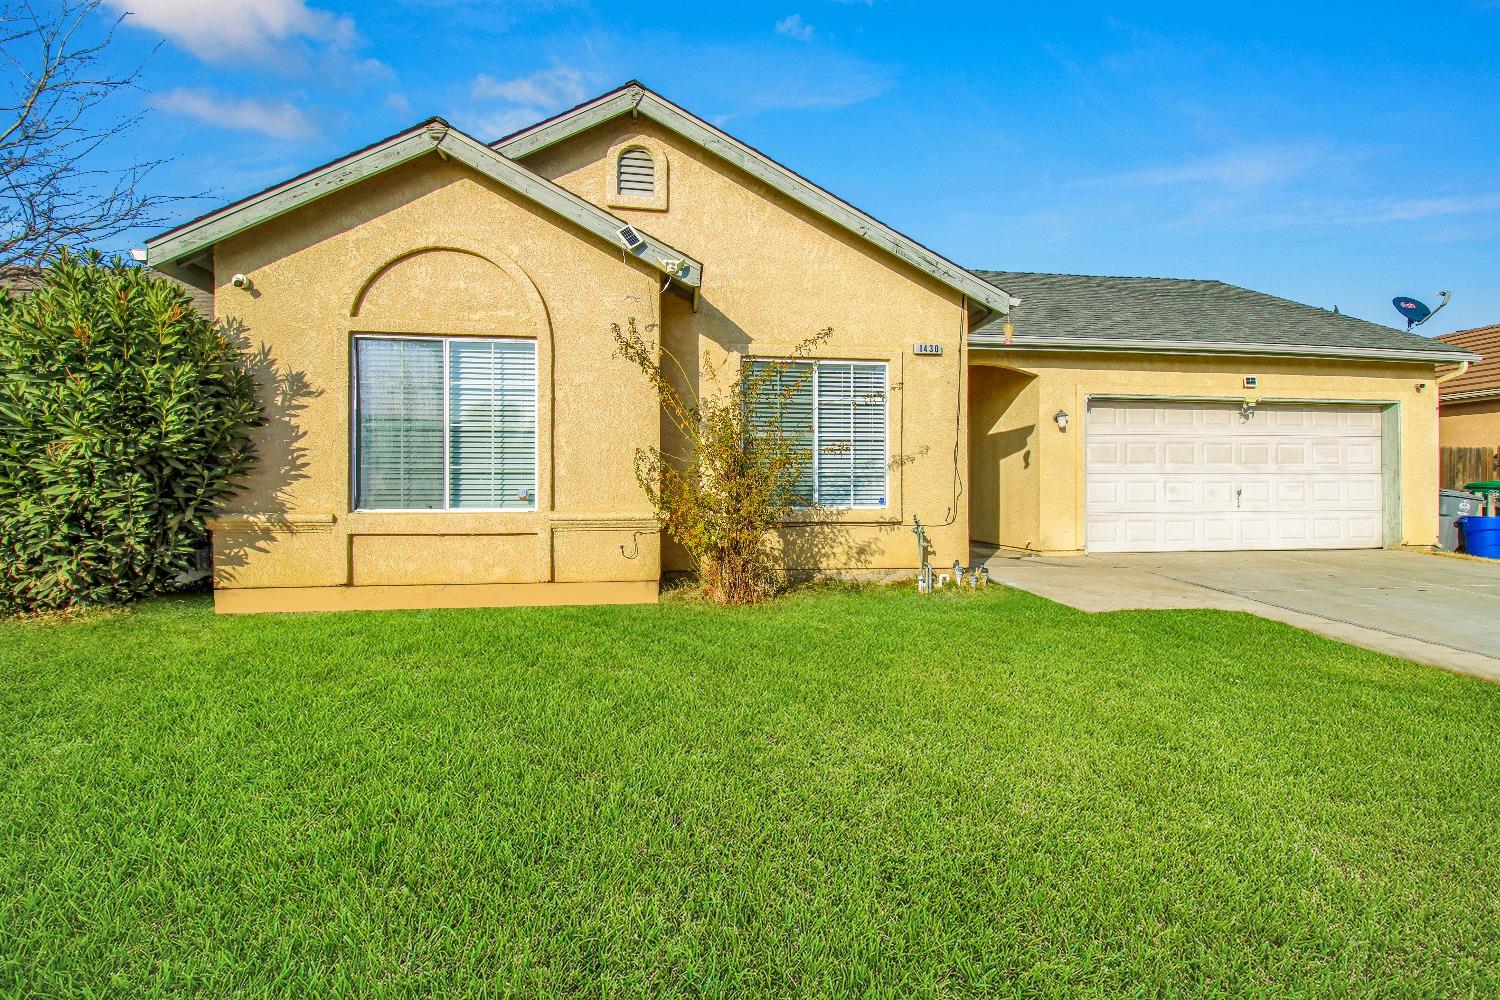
point(1421, 386)
point(1061, 416)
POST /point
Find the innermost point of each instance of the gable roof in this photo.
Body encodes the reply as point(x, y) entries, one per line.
point(636, 98)
point(1185, 316)
point(179, 252)
point(1482, 380)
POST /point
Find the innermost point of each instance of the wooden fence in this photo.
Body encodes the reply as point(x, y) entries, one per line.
point(1457, 466)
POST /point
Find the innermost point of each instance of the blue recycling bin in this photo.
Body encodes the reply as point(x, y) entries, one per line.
point(1481, 535)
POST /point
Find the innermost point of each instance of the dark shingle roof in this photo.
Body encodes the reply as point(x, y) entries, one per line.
point(1210, 314)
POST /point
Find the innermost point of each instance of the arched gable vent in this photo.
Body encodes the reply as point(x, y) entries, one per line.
point(636, 174)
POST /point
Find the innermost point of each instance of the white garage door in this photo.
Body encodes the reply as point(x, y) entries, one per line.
point(1167, 477)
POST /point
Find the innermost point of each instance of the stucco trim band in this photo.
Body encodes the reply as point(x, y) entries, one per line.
point(278, 524)
point(260, 600)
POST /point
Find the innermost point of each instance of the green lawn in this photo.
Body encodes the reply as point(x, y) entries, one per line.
point(846, 792)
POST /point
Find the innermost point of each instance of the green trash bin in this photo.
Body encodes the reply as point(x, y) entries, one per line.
point(1490, 490)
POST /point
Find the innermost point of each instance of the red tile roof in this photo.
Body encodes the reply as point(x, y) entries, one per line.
point(1482, 376)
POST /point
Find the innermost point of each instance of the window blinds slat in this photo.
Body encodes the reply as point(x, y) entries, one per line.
point(835, 434)
point(400, 428)
point(839, 413)
point(492, 424)
point(869, 444)
point(490, 448)
point(786, 390)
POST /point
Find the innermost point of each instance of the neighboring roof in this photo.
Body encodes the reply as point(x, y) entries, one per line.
point(180, 251)
point(1184, 316)
point(22, 280)
point(1482, 380)
point(636, 98)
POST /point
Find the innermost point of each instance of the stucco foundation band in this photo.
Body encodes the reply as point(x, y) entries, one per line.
point(237, 601)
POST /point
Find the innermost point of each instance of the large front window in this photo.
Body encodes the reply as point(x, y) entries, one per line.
point(836, 410)
point(444, 423)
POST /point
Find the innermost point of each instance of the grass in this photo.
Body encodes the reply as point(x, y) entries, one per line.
point(845, 792)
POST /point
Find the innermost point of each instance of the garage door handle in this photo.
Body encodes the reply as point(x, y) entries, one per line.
point(1237, 493)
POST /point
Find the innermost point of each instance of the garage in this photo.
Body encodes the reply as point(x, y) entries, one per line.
point(1171, 476)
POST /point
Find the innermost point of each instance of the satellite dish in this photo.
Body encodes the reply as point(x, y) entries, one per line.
point(1415, 310)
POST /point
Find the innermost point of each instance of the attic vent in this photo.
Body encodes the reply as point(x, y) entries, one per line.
point(637, 174)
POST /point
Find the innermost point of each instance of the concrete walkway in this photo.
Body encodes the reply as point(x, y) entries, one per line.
point(1433, 609)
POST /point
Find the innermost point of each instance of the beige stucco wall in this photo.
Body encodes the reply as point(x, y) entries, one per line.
point(1003, 431)
point(1470, 425)
point(1041, 498)
point(434, 248)
point(775, 274)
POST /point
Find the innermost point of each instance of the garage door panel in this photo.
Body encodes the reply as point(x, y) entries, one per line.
point(1181, 453)
point(1185, 476)
point(1290, 453)
point(1252, 453)
point(1361, 456)
point(1217, 452)
point(1105, 455)
point(1142, 454)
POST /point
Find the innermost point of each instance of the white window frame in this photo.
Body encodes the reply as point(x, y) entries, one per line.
point(447, 507)
point(885, 462)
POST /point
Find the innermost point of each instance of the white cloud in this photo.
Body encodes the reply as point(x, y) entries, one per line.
point(496, 124)
point(276, 119)
point(549, 88)
point(530, 98)
point(278, 33)
point(792, 26)
point(1381, 211)
point(1255, 167)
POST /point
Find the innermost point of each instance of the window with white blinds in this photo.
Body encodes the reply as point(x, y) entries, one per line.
point(445, 424)
point(838, 409)
point(636, 175)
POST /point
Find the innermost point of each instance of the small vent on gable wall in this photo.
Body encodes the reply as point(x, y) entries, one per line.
point(636, 174)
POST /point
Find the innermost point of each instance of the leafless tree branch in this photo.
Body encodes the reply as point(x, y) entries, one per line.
point(57, 188)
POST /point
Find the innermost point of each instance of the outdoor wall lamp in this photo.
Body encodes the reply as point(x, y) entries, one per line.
point(1061, 416)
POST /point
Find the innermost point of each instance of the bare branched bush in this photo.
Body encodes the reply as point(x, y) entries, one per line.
point(740, 472)
point(55, 120)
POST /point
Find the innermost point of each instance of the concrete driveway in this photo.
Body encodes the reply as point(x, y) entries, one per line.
point(1430, 608)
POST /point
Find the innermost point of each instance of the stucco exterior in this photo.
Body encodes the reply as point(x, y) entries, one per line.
point(776, 273)
point(1028, 475)
point(434, 248)
point(1471, 424)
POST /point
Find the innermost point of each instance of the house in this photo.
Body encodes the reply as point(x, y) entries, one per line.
point(1469, 402)
point(448, 422)
point(22, 279)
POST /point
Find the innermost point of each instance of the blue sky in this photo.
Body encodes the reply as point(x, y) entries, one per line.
point(1338, 154)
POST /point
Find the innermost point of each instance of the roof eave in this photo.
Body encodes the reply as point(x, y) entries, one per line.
point(1144, 346)
point(166, 251)
point(1470, 395)
point(635, 98)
